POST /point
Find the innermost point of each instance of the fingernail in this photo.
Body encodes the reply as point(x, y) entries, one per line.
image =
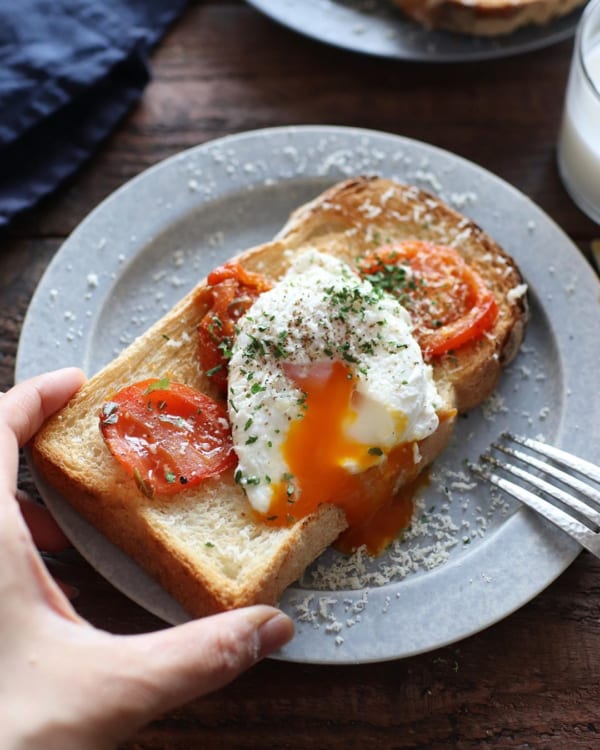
point(274, 633)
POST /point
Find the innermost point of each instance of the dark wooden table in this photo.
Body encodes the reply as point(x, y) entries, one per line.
point(529, 682)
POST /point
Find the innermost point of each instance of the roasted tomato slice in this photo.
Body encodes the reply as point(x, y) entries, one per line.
point(231, 290)
point(167, 435)
point(448, 301)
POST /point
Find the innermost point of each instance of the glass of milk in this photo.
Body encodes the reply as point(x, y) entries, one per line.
point(579, 141)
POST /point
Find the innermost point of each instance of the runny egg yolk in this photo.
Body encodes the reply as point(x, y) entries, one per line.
point(327, 465)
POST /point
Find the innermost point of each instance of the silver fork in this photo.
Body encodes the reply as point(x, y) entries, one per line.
point(576, 513)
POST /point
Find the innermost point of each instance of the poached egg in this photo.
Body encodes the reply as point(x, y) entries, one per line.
point(328, 392)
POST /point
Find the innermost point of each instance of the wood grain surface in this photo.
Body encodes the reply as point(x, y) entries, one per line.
point(531, 682)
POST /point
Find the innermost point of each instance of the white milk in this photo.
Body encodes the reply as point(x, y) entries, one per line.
point(579, 144)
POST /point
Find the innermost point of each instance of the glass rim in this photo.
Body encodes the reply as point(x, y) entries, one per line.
point(592, 6)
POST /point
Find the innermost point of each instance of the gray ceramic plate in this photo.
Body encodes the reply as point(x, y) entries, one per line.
point(375, 27)
point(471, 559)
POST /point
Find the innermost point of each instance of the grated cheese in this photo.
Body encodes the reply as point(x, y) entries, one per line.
point(516, 293)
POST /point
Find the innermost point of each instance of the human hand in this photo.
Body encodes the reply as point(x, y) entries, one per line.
point(65, 684)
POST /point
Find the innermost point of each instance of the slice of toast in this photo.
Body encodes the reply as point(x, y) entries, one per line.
point(360, 215)
point(485, 17)
point(204, 544)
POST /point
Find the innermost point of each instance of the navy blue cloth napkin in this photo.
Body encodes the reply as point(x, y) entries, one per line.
point(69, 71)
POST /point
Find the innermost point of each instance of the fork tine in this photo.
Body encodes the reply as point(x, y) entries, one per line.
point(586, 468)
point(547, 468)
point(555, 492)
point(558, 517)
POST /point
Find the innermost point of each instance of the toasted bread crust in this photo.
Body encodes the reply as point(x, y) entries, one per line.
point(204, 545)
point(358, 215)
point(485, 17)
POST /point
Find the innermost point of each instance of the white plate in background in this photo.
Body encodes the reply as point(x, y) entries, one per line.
point(375, 27)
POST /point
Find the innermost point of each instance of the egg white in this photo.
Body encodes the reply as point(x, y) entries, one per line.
point(322, 311)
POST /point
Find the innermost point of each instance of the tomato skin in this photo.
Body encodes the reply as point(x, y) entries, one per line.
point(230, 292)
point(167, 435)
point(448, 301)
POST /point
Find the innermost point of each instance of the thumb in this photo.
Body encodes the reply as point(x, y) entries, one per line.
point(172, 666)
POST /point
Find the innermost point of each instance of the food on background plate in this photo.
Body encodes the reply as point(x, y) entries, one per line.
point(485, 17)
point(293, 399)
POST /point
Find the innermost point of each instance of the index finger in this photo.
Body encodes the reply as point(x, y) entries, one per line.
point(25, 407)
